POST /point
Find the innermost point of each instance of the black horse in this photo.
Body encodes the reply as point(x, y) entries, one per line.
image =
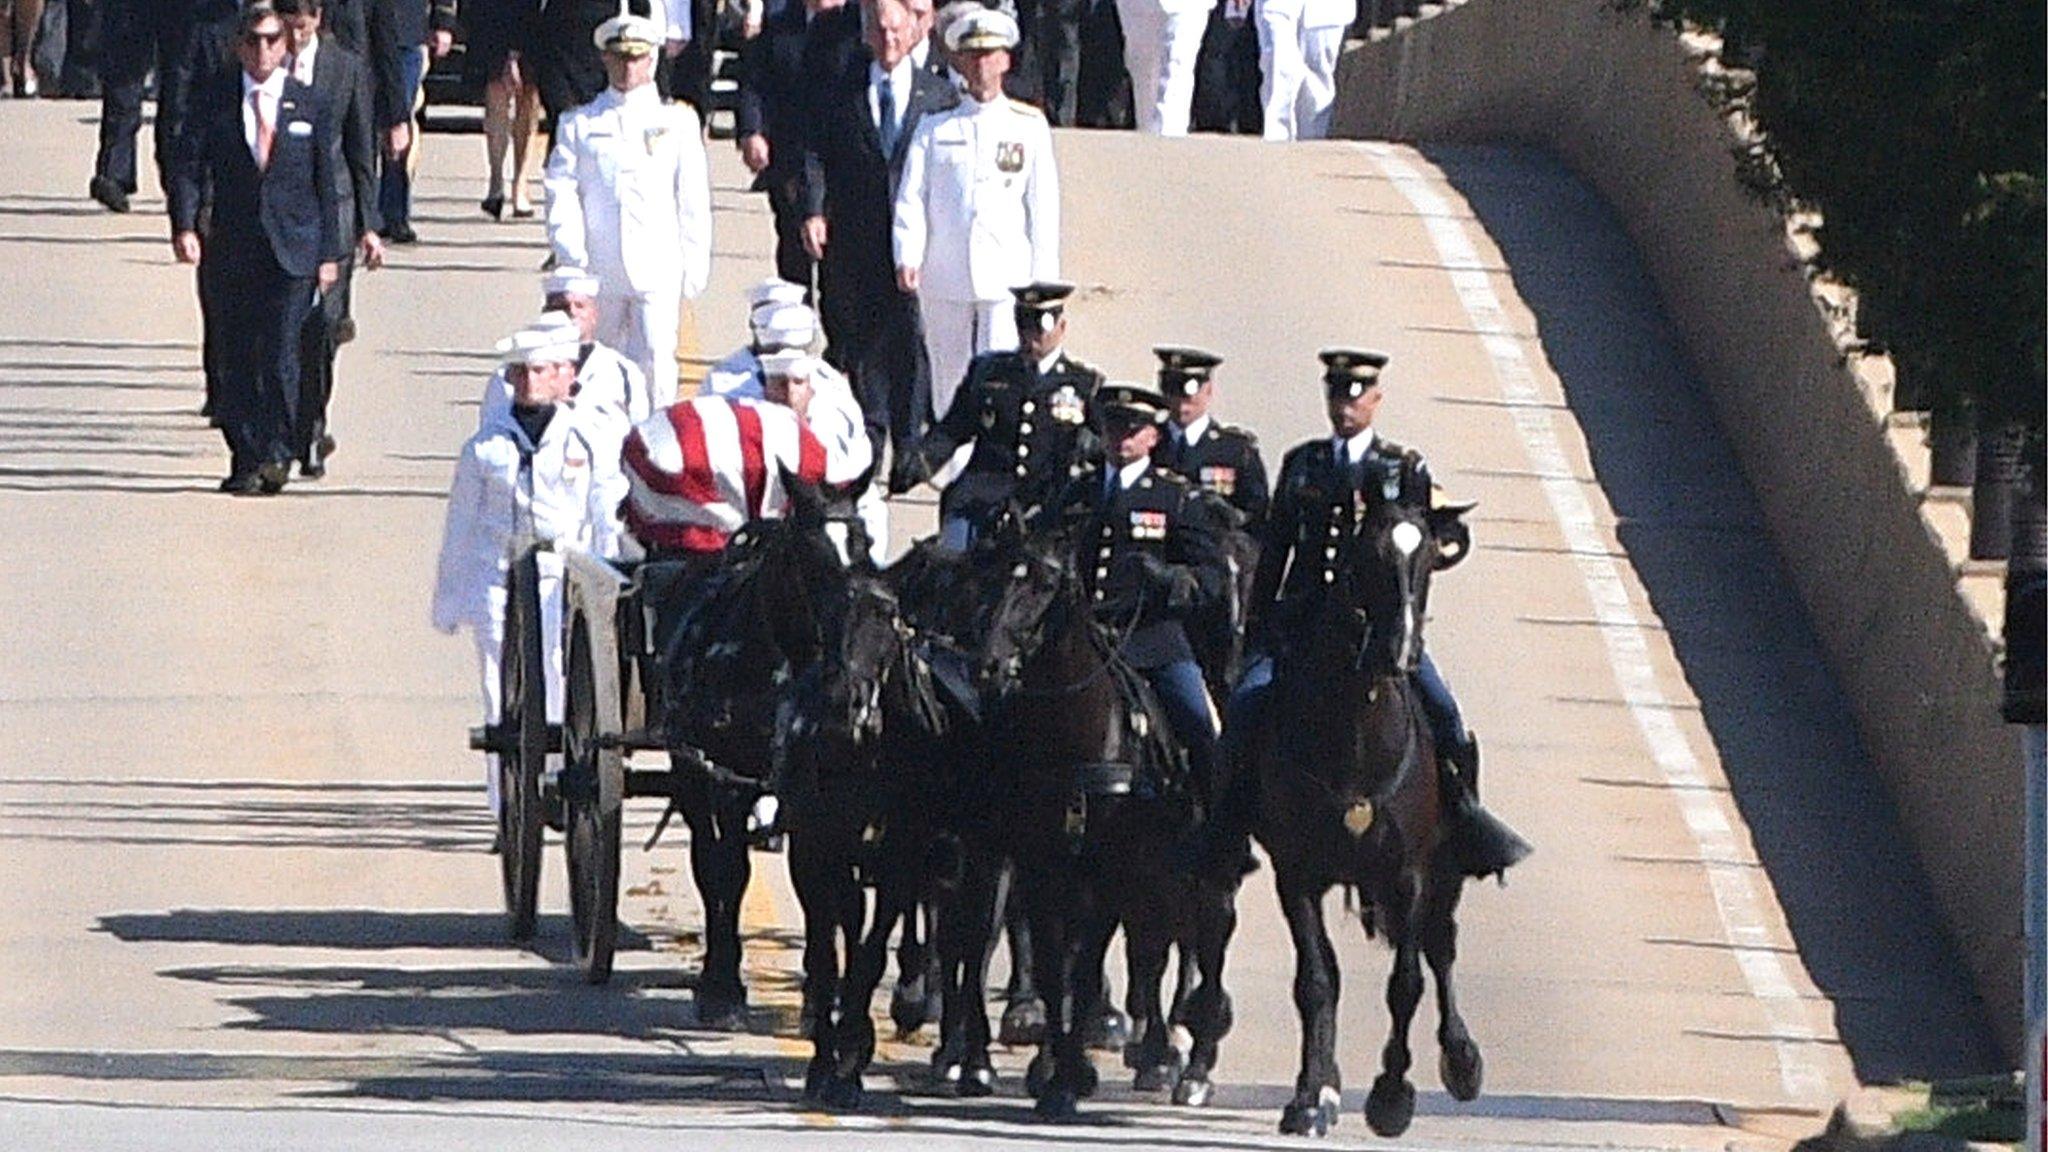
point(1091, 807)
point(733, 638)
point(1348, 795)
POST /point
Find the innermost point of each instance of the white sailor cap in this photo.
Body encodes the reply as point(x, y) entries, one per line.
point(570, 282)
point(981, 31)
point(791, 363)
point(627, 34)
point(784, 326)
point(553, 338)
point(773, 291)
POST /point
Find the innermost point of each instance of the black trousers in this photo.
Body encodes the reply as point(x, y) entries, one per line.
point(875, 334)
point(316, 362)
point(1055, 35)
point(1102, 89)
point(255, 317)
point(137, 37)
point(1227, 78)
point(785, 200)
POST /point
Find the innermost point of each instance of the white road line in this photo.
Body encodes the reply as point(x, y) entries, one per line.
point(1705, 813)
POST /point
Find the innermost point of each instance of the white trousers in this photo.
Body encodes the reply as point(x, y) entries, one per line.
point(955, 332)
point(1298, 66)
point(490, 643)
point(642, 328)
point(1160, 48)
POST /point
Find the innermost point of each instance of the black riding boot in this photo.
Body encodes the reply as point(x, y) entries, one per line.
point(1480, 842)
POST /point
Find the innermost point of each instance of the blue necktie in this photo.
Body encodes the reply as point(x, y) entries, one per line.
point(886, 100)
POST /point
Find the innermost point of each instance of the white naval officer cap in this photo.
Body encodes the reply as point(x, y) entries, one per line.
point(784, 326)
point(553, 338)
point(570, 282)
point(788, 364)
point(982, 31)
point(627, 35)
point(773, 290)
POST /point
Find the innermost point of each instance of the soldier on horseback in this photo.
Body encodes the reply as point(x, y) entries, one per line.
point(1319, 492)
point(1150, 555)
point(1025, 412)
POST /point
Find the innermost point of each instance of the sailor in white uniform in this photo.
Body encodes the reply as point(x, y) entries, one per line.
point(629, 198)
point(978, 209)
point(541, 468)
point(1299, 41)
point(606, 383)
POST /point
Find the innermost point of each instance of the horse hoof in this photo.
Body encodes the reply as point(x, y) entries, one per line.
point(844, 1095)
point(1086, 1079)
point(1109, 1031)
point(1312, 1117)
point(978, 1083)
point(1463, 1070)
point(1152, 1079)
point(816, 1078)
point(1193, 1091)
point(1023, 1024)
point(1058, 1105)
point(722, 1013)
point(1390, 1106)
point(908, 1009)
point(1038, 1074)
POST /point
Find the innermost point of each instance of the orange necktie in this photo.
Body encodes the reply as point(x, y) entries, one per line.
point(266, 132)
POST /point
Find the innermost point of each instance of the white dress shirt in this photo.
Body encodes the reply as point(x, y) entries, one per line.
point(1129, 473)
point(268, 93)
point(1192, 432)
point(899, 92)
point(302, 62)
point(1353, 449)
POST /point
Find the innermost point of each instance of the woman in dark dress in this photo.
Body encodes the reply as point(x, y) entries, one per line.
point(498, 40)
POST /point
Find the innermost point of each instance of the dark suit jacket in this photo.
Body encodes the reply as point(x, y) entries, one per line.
point(569, 69)
point(289, 210)
point(343, 80)
point(348, 23)
point(847, 179)
point(774, 91)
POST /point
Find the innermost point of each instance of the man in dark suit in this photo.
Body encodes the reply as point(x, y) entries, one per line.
point(568, 67)
point(402, 35)
point(774, 99)
point(860, 130)
point(138, 37)
point(258, 175)
point(343, 83)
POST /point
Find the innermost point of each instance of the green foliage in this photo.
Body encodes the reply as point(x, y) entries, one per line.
point(1916, 128)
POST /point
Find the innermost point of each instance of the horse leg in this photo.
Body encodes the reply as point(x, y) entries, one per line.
point(908, 1003)
point(1318, 1088)
point(1459, 1064)
point(818, 895)
point(1209, 1015)
point(961, 933)
point(1150, 1054)
point(1023, 1012)
point(721, 995)
point(1391, 1104)
point(865, 966)
point(1050, 1077)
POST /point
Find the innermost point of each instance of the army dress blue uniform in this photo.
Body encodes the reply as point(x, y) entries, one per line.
point(1150, 556)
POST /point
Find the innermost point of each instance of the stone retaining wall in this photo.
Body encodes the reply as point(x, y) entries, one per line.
point(1619, 101)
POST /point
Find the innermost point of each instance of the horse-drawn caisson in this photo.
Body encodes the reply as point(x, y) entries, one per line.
point(1027, 703)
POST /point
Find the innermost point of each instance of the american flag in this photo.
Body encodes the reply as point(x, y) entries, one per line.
point(706, 466)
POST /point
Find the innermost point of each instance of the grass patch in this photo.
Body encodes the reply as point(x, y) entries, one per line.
point(1986, 1109)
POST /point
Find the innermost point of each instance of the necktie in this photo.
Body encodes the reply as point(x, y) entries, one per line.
point(266, 132)
point(885, 101)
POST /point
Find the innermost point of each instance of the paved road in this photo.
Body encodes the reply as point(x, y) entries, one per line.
point(243, 858)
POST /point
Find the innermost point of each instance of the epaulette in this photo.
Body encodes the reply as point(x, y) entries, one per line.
point(1028, 109)
point(1223, 429)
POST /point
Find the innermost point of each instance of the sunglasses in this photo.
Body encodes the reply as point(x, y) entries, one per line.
point(254, 38)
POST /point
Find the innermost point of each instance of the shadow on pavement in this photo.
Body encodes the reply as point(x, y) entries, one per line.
point(1866, 928)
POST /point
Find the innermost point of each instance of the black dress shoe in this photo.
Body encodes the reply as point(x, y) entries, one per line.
point(344, 331)
point(271, 478)
point(242, 484)
point(108, 193)
point(400, 234)
point(314, 466)
point(494, 207)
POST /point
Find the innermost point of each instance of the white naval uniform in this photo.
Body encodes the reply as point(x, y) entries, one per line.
point(1299, 42)
point(1162, 39)
point(607, 385)
point(978, 213)
point(835, 418)
point(566, 488)
point(629, 198)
